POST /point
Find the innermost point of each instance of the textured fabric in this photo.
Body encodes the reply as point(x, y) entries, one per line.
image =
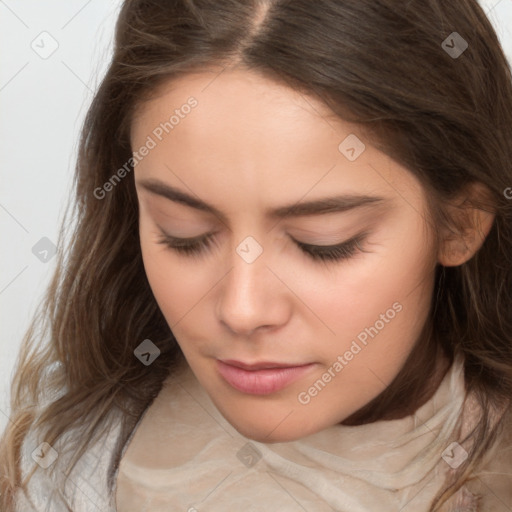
point(186, 456)
point(491, 485)
point(85, 490)
point(183, 455)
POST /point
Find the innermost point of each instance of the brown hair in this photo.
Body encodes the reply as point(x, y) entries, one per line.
point(372, 62)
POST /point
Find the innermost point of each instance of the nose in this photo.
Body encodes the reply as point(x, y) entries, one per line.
point(252, 297)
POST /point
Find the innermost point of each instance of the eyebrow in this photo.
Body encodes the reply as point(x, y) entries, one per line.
point(334, 204)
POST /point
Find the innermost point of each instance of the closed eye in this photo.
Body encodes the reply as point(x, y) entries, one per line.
point(198, 246)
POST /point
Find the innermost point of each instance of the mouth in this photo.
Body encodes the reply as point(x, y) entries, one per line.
point(261, 378)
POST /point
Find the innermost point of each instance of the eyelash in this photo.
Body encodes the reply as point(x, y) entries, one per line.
point(324, 254)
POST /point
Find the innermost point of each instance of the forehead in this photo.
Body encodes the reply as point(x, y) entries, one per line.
point(269, 143)
point(238, 106)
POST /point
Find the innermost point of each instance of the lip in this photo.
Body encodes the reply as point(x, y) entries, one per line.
point(262, 365)
point(261, 378)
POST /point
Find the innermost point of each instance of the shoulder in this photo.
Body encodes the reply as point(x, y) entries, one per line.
point(51, 488)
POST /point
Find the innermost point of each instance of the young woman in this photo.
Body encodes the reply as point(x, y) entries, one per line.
point(289, 285)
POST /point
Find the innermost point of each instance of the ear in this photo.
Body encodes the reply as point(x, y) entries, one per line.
point(472, 226)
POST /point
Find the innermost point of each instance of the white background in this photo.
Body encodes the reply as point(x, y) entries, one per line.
point(42, 105)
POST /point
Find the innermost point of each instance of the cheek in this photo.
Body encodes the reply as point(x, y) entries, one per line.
point(392, 280)
point(175, 288)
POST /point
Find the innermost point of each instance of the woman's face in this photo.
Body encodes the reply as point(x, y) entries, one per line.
point(268, 181)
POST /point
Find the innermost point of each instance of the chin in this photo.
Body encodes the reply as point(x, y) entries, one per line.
point(272, 432)
point(262, 435)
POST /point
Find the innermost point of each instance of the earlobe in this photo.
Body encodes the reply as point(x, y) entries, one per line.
point(474, 226)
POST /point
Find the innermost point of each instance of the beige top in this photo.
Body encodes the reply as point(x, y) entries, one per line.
point(185, 456)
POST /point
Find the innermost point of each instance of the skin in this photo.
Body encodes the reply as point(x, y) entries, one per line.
point(250, 145)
